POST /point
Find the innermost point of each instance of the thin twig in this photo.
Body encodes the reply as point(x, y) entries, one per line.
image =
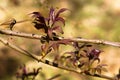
point(56, 76)
point(8, 22)
point(5, 42)
point(22, 51)
point(82, 40)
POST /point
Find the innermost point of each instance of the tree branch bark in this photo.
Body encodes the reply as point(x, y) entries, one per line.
point(82, 40)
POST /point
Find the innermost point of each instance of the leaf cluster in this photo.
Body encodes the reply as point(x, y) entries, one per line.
point(82, 57)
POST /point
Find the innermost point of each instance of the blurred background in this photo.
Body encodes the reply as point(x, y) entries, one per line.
point(91, 19)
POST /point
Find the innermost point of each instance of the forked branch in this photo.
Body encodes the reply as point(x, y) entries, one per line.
point(24, 52)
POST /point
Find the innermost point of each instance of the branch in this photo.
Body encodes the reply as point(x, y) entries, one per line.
point(20, 34)
point(56, 76)
point(24, 52)
point(115, 44)
point(8, 22)
point(35, 36)
point(5, 42)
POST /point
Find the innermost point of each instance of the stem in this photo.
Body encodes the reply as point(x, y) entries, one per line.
point(56, 76)
point(35, 36)
point(8, 23)
point(20, 34)
point(22, 51)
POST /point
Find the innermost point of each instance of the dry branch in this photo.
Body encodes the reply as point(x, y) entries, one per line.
point(56, 76)
point(24, 52)
point(9, 21)
point(82, 40)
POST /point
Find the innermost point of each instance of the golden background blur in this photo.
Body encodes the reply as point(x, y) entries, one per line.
point(91, 19)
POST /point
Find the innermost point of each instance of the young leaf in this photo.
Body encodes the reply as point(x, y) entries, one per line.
point(97, 59)
point(98, 70)
point(39, 21)
point(54, 45)
point(93, 70)
point(50, 31)
point(38, 25)
point(57, 29)
point(60, 11)
point(104, 69)
point(51, 14)
point(60, 19)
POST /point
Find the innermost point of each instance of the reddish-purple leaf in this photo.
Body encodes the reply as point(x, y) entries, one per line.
point(51, 14)
point(36, 14)
point(97, 59)
point(104, 69)
point(60, 19)
point(43, 48)
point(93, 70)
point(94, 54)
point(101, 65)
point(38, 17)
point(76, 45)
point(39, 25)
point(65, 41)
point(50, 31)
point(98, 70)
point(60, 11)
point(86, 52)
point(54, 45)
point(39, 20)
point(47, 21)
point(57, 29)
point(24, 70)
